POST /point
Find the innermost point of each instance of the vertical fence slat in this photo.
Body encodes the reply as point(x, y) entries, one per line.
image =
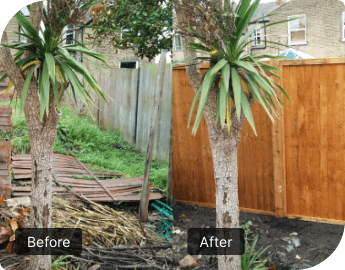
point(278, 154)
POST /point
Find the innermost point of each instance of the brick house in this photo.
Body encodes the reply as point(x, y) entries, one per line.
point(114, 59)
point(319, 30)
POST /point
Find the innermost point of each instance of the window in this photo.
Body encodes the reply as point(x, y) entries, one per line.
point(26, 13)
point(257, 37)
point(69, 35)
point(129, 64)
point(297, 30)
point(123, 33)
point(22, 38)
point(343, 23)
point(178, 42)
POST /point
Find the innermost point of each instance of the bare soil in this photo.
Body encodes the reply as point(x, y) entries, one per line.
point(312, 242)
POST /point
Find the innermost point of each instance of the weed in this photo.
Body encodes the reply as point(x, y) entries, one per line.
point(60, 262)
point(249, 257)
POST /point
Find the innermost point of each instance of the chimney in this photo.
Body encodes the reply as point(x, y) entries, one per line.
point(281, 2)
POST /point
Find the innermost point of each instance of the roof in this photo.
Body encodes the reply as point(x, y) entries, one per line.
point(295, 54)
point(292, 54)
point(263, 10)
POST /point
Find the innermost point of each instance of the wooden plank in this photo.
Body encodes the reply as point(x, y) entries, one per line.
point(332, 151)
point(339, 117)
point(121, 181)
point(76, 189)
point(128, 198)
point(5, 120)
point(5, 111)
point(316, 219)
point(103, 198)
point(147, 82)
point(302, 154)
point(209, 205)
point(311, 138)
point(5, 171)
point(319, 115)
point(6, 97)
point(277, 147)
point(97, 180)
point(291, 141)
point(323, 185)
point(256, 211)
point(144, 202)
point(319, 61)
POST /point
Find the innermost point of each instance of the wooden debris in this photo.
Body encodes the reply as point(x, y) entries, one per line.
point(111, 238)
point(99, 182)
point(123, 189)
point(63, 166)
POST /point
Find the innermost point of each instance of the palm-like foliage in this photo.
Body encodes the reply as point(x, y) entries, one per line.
point(56, 66)
point(235, 66)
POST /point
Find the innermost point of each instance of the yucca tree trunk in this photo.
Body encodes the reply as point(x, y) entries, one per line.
point(226, 180)
point(42, 135)
point(224, 147)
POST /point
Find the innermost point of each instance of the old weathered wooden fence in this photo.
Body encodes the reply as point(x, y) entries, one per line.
point(5, 148)
point(129, 94)
point(293, 168)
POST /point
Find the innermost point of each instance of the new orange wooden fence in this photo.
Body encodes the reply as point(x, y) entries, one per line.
point(294, 168)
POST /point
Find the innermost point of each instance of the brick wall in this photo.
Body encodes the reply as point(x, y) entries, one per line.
point(113, 57)
point(10, 29)
point(324, 27)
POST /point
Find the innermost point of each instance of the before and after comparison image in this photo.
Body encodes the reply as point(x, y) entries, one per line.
point(172, 134)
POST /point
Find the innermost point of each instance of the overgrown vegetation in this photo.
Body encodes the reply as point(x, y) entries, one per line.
point(80, 136)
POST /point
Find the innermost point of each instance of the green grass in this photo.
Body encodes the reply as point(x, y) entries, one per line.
point(106, 149)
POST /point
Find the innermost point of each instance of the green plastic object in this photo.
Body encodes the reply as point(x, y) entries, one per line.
point(164, 228)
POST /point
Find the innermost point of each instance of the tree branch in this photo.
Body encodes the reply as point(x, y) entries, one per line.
point(13, 72)
point(192, 69)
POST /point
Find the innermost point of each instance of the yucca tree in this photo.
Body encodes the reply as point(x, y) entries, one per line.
point(223, 36)
point(40, 94)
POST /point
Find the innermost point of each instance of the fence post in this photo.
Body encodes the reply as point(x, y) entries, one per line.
point(278, 154)
point(145, 194)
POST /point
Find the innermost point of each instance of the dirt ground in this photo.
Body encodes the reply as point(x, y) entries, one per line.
point(296, 244)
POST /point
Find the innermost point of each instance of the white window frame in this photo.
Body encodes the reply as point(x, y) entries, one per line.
point(255, 37)
point(178, 48)
point(123, 30)
point(22, 38)
point(136, 63)
point(305, 30)
point(65, 35)
point(343, 25)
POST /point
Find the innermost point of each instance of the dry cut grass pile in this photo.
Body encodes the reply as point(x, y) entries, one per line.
point(101, 224)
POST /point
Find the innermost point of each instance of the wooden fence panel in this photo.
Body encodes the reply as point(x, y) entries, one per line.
point(307, 148)
point(129, 109)
point(255, 164)
point(315, 141)
point(193, 179)
point(120, 112)
point(147, 84)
